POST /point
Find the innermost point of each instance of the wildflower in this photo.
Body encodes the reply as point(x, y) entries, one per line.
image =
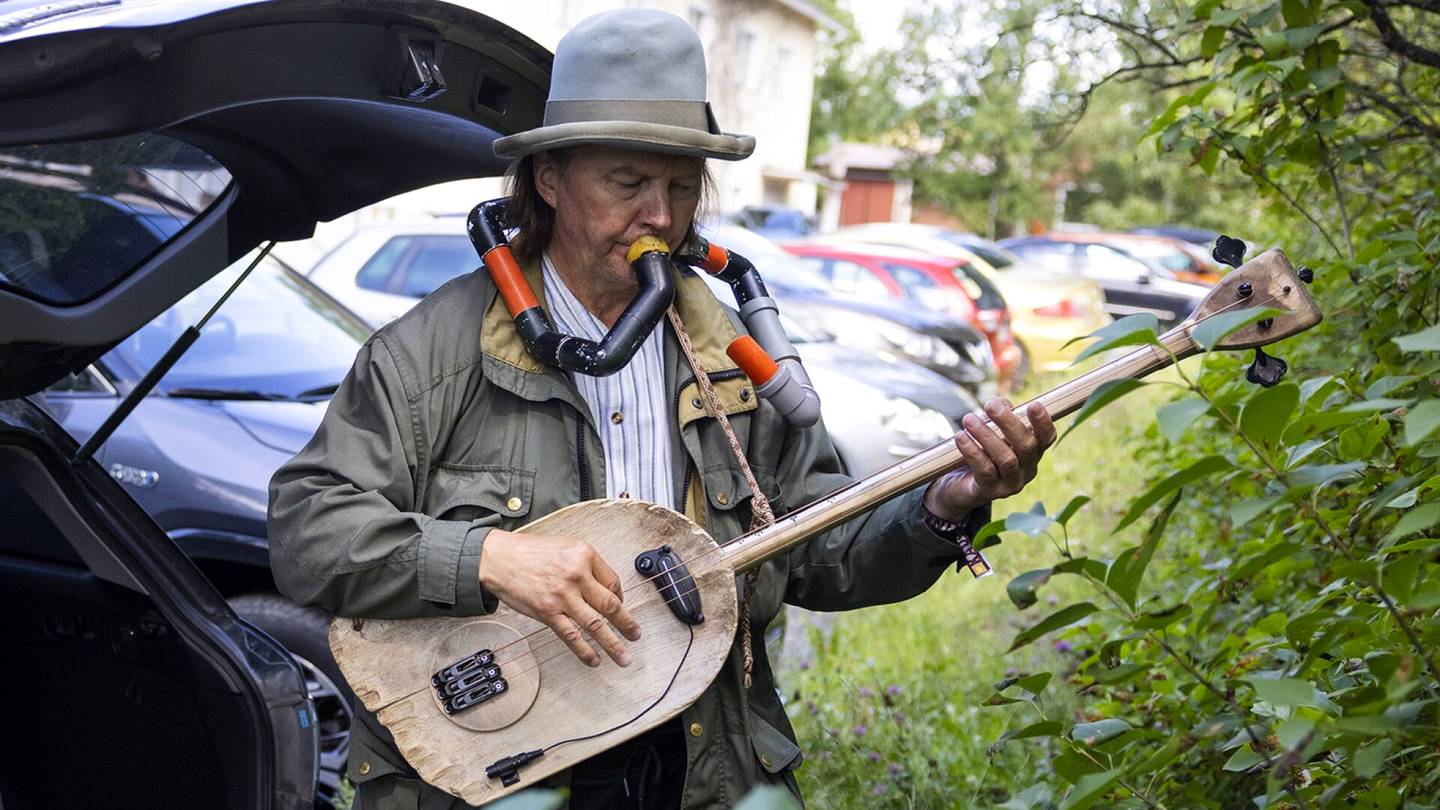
point(865, 692)
point(1062, 646)
point(812, 708)
point(892, 690)
point(881, 789)
point(804, 664)
point(861, 730)
point(873, 756)
point(899, 718)
point(894, 769)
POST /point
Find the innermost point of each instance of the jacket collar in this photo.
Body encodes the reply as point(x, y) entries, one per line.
point(508, 365)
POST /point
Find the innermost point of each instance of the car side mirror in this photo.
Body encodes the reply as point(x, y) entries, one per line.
point(1144, 278)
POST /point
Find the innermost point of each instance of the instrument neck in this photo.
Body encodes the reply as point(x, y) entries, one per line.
point(753, 549)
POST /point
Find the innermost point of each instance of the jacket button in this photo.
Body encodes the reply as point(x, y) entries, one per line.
point(617, 417)
point(765, 760)
point(722, 499)
point(744, 394)
point(364, 767)
point(514, 504)
point(696, 729)
point(695, 402)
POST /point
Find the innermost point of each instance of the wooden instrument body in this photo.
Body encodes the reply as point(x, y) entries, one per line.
point(553, 696)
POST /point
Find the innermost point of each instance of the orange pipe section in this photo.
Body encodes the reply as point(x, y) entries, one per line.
point(716, 258)
point(510, 280)
point(752, 359)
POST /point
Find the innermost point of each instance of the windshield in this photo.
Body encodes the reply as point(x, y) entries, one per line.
point(1168, 257)
point(275, 336)
point(995, 256)
point(77, 217)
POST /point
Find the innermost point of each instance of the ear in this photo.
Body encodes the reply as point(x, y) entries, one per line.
point(547, 177)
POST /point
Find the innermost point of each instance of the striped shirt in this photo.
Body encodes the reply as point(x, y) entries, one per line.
point(629, 407)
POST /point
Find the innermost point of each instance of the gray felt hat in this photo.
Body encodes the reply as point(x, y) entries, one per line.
point(633, 78)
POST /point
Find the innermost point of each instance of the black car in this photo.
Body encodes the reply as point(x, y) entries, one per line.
point(145, 147)
point(1131, 284)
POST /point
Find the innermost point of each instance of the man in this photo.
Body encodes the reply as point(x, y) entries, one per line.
point(447, 435)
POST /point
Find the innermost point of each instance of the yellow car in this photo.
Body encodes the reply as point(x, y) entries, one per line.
point(1046, 308)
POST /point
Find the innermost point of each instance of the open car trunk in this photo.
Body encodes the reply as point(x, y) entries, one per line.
point(129, 681)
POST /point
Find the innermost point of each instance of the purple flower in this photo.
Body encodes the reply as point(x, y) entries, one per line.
point(812, 708)
point(804, 664)
point(865, 692)
point(1062, 646)
point(873, 756)
point(860, 730)
point(894, 769)
point(881, 789)
point(900, 718)
point(892, 690)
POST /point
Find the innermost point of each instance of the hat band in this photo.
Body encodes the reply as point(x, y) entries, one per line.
point(669, 112)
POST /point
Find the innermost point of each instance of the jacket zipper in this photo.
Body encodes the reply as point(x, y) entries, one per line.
point(580, 454)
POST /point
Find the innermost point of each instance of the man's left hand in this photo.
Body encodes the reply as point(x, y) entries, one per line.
point(996, 466)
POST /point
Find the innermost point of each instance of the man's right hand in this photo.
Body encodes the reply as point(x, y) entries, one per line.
point(562, 582)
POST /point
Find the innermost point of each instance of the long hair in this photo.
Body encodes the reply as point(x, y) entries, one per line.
point(533, 219)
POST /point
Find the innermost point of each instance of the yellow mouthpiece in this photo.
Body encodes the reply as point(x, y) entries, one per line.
point(645, 244)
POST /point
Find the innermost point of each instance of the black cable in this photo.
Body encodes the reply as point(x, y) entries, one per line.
point(506, 768)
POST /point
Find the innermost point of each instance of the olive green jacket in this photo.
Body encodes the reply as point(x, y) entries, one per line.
point(446, 428)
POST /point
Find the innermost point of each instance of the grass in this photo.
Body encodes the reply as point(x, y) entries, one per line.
point(888, 707)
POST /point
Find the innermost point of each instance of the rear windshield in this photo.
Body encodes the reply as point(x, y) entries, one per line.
point(980, 288)
point(77, 217)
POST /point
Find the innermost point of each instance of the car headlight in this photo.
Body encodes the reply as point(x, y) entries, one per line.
point(919, 425)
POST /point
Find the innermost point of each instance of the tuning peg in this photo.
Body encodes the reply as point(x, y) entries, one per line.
point(1306, 274)
point(1266, 370)
point(1228, 250)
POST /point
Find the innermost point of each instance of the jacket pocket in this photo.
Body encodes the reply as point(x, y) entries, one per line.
point(773, 750)
point(470, 492)
point(726, 487)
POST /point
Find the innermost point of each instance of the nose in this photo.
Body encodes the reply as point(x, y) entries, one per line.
point(655, 208)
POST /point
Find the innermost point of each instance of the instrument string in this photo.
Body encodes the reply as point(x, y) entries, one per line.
point(696, 573)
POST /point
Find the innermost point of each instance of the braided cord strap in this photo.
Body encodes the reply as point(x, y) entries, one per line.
point(761, 514)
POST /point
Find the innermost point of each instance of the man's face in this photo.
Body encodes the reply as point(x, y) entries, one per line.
point(605, 199)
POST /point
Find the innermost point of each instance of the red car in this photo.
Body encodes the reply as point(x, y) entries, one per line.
point(933, 282)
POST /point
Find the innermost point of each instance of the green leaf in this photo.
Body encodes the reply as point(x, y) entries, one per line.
point(1421, 421)
point(1243, 759)
point(1366, 725)
point(1092, 734)
point(1034, 522)
point(1099, 398)
point(1369, 760)
point(1063, 617)
point(1292, 732)
point(1071, 508)
point(1129, 568)
point(1285, 691)
point(1249, 509)
point(1022, 589)
point(1386, 385)
point(1160, 619)
point(1371, 405)
point(1176, 417)
point(1034, 684)
point(1162, 757)
point(1418, 519)
point(1205, 466)
point(1268, 412)
point(1045, 728)
point(1210, 331)
point(1318, 475)
point(1072, 766)
point(1210, 41)
point(989, 534)
point(1427, 340)
point(1131, 330)
point(1090, 789)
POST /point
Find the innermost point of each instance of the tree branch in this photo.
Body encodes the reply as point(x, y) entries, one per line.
point(1392, 38)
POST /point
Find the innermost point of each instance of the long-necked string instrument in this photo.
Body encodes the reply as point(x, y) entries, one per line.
point(482, 706)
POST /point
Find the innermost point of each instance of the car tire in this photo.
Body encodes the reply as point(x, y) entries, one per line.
point(305, 632)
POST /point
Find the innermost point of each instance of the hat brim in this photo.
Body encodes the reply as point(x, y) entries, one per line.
point(627, 135)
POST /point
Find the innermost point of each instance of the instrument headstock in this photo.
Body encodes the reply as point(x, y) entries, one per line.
point(1268, 280)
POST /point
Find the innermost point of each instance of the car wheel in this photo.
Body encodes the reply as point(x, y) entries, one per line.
point(305, 632)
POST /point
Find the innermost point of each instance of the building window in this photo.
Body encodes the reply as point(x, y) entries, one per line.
point(745, 71)
point(781, 76)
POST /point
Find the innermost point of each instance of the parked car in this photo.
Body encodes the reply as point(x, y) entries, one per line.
point(775, 221)
point(935, 340)
point(251, 390)
point(1199, 237)
point(1047, 309)
point(384, 270)
point(144, 147)
point(933, 282)
point(1186, 262)
point(1131, 284)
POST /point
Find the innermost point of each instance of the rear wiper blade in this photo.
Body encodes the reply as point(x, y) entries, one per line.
point(222, 393)
point(322, 392)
